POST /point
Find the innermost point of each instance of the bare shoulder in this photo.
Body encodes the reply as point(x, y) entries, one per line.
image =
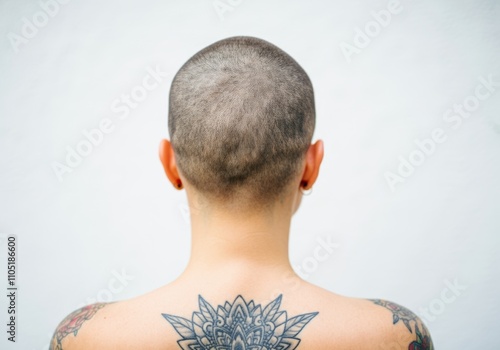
point(374, 324)
point(65, 335)
point(127, 324)
point(356, 323)
point(401, 328)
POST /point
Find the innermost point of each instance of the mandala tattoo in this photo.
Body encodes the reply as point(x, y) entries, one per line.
point(239, 326)
point(423, 339)
point(72, 324)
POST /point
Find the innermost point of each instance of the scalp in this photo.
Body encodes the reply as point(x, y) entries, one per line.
point(241, 117)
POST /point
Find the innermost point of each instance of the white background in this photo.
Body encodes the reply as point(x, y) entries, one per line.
point(116, 213)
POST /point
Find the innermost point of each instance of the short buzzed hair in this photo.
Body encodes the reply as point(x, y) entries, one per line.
point(241, 118)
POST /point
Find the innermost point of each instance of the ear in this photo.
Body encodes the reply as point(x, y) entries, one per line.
point(167, 158)
point(314, 157)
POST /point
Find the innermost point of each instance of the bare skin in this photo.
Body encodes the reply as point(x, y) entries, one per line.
point(238, 252)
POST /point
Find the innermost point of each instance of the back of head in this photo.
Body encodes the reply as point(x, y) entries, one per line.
point(241, 118)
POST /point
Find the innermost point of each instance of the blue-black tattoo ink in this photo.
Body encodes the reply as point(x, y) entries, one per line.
point(423, 339)
point(239, 326)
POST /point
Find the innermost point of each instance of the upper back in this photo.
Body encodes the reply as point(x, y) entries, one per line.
point(300, 316)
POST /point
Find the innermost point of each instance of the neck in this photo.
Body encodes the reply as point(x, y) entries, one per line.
point(248, 241)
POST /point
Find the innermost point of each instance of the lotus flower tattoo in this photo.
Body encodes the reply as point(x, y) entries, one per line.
point(239, 326)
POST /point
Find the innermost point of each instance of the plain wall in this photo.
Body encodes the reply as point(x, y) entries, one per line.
point(113, 227)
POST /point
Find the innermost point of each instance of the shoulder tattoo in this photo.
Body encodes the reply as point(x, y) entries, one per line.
point(72, 324)
point(414, 325)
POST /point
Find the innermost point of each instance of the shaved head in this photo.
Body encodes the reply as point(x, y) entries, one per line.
point(241, 118)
